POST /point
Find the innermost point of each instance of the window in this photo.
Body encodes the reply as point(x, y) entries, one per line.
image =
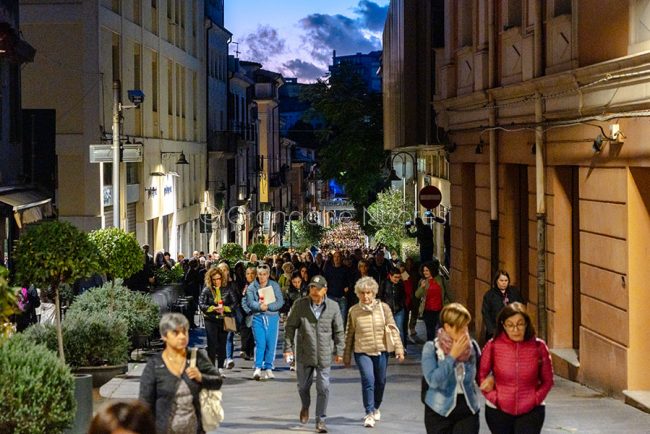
point(154, 81)
point(195, 105)
point(137, 11)
point(171, 32)
point(512, 14)
point(170, 87)
point(562, 7)
point(154, 17)
point(465, 20)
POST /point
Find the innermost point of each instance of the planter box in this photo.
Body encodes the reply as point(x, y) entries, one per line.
point(102, 374)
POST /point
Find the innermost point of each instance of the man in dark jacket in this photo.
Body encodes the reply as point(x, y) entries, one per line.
point(392, 293)
point(424, 236)
point(318, 322)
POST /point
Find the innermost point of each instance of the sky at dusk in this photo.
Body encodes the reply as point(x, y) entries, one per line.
point(297, 37)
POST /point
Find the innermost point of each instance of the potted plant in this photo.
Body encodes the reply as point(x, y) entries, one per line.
point(37, 389)
point(51, 253)
point(120, 255)
point(259, 249)
point(95, 343)
point(138, 310)
point(231, 252)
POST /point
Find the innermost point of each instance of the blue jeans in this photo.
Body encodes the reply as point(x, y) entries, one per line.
point(399, 321)
point(265, 332)
point(373, 379)
point(230, 344)
point(305, 375)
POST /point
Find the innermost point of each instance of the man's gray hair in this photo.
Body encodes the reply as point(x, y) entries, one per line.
point(173, 321)
point(366, 284)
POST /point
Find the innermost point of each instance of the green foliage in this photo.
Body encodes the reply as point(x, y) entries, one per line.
point(302, 234)
point(232, 252)
point(138, 310)
point(274, 249)
point(387, 215)
point(37, 389)
point(8, 303)
point(119, 252)
point(410, 249)
point(165, 276)
point(89, 338)
point(54, 251)
point(343, 236)
point(352, 137)
point(259, 249)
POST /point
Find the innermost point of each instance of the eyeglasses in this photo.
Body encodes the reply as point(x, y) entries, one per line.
point(511, 326)
point(263, 267)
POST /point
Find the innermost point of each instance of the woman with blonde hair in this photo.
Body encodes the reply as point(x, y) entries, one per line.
point(366, 338)
point(449, 367)
point(215, 303)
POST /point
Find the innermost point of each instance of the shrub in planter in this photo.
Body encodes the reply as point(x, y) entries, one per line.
point(90, 338)
point(120, 255)
point(37, 389)
point(232, 252)
point(138, 310)
point(165, 276)
point(258, 249)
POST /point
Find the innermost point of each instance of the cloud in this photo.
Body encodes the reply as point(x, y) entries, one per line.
point(304, 70)
point(325, 33)
point(371, 15)
point(263, 44)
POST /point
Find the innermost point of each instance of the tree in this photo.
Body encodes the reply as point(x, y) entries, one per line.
point(302, 234)
point(8, 304)
point(352, 138)
point(120, 255)
point(387, 215)
point(343, 236)
point(51, 253)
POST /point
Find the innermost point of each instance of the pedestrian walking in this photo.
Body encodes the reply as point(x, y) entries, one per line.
point(316, 325)
point(246, 334)
point(449, 367)
point(264, 321)
point(339, 280)
point(501, 294)
point(516, 374)
point(431, 293)
point(366, 339)
point(392, 293)
point(170, 385)
point(215, 305)
point(232, 299)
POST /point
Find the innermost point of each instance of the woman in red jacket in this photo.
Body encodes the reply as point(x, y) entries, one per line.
point(515, 374)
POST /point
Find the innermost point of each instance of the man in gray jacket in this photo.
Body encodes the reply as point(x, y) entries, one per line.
point(319, 325)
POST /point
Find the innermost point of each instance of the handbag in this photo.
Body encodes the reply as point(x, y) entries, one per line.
point(211, 402)
point(229, 324)
point(389, 329)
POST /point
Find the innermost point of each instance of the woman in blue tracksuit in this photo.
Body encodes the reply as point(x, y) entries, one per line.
point(265, 320)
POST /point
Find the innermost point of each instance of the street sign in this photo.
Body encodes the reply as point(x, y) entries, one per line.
point(104, 153)
point(430, 197)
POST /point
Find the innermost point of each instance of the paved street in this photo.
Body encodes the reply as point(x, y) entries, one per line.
point(273, 406)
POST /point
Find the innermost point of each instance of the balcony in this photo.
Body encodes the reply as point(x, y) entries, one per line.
point(223, 143)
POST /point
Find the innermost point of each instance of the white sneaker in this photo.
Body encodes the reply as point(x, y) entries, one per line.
point(229, 364)
point(268, 374)
point(257, 375)
point(369, 421)
point(376, 415)
point(222, 372)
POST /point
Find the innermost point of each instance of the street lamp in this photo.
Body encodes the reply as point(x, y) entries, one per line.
point(393, 175)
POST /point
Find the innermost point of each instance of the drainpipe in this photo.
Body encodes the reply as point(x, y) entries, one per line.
point(538, 48)
point(541, 220)
point(491, 47)
point(494, 192)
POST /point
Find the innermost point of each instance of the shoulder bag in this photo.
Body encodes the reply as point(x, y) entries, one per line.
point(389, 330)
point(211, 403)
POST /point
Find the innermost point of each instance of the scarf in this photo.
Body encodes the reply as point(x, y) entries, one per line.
point(369, 307)
point(444, 343)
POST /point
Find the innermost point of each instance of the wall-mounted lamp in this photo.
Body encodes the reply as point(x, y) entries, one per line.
point(181, 157)
point(479, 148)
point(598, 144)
point(157, 173)
point(151, 191)
point(533, 149)
point(393, 176)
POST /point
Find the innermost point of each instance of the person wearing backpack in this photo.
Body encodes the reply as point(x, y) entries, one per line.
point(449, 367)
point(432, 294)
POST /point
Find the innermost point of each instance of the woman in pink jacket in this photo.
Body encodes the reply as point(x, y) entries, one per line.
point(515, 374)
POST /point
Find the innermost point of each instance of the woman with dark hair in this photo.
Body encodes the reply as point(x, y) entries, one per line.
point(515, 374)
point(231, 298)
point(431, 293)
point(501, 294)
point(123, 417)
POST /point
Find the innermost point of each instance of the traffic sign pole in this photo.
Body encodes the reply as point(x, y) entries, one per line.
point(116, 154)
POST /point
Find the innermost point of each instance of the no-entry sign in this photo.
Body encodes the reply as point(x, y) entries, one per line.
point(430, 197)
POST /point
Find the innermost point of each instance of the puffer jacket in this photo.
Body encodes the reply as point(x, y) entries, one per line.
point(523, 374)
point(365, 330)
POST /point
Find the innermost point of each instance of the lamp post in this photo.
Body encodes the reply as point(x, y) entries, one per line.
point(393, 176)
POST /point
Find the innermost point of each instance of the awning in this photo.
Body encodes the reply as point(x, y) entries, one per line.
point(29, 206)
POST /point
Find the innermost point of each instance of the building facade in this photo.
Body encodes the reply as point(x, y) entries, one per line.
point(157, 47)
point(545, 111)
